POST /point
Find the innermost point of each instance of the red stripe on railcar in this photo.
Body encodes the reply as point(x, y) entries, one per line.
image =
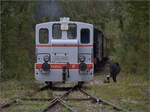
point(64, 45)
point(59, 66)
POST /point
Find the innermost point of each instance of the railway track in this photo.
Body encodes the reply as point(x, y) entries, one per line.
point(62, 100)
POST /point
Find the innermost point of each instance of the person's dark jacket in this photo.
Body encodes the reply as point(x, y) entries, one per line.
point(114, 68)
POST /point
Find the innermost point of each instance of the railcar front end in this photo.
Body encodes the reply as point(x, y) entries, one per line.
point(64, 51)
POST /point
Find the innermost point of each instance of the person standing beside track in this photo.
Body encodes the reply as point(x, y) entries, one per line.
point(112, 69)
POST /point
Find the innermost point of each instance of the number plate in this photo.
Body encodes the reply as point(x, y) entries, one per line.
point(64, 26)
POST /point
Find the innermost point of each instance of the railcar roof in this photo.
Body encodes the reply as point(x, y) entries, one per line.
point(97, 30)
point(75, 22)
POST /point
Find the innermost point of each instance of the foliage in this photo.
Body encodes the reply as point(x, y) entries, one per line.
point(124, 23)
point(17, 39)
point(134, 37)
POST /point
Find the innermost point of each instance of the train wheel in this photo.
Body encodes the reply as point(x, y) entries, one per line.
point(80, 83)
point(50, 84)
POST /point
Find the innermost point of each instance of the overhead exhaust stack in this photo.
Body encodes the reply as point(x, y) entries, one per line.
point(64, 20)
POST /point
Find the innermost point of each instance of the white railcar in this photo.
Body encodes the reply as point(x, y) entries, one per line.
point(64, 51)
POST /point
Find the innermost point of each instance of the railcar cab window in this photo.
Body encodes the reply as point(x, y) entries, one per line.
point(72, 31)
point(56, 31)
point(43, 35)
point(85, 36)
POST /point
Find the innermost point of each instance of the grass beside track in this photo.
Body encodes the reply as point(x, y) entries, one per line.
point(130, 92)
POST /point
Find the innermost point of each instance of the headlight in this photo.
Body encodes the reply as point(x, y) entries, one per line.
point(46, 66)
point(46, 58)
point(82, 58)
point(82, 66)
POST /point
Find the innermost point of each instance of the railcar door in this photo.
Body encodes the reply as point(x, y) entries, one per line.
point(65, 49)
point(43, 51)
point(85, 51)
point(64, 44)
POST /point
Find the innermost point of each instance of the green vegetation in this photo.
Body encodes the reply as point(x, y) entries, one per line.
point(130, 92)
point(124, 23)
